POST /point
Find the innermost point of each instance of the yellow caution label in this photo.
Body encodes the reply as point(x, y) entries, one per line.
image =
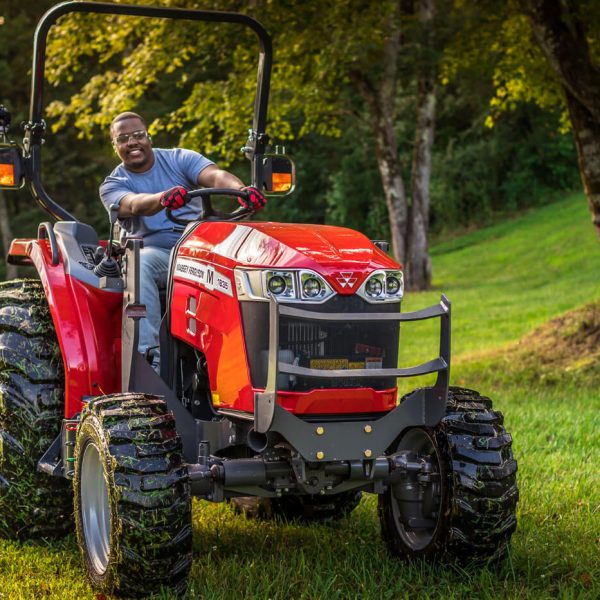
point(328, 363)
point(356, 365)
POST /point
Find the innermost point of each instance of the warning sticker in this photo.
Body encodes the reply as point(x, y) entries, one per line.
point(206, 275)
point(328, 363)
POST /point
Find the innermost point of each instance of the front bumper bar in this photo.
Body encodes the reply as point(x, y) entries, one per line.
point(353, 440)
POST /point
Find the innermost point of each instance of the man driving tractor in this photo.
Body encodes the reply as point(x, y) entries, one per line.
point(147, 181)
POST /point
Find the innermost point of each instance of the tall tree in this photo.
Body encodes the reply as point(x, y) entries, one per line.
point(409, 221)
point(541, 51)
point(559, 29)
point(324, 53)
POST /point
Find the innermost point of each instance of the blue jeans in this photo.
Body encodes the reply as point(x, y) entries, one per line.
point(154, 266)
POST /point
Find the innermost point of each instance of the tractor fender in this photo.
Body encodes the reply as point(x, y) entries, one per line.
point(87, 321)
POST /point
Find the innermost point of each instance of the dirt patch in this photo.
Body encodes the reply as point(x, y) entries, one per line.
point(571, 340)
point(565, 348)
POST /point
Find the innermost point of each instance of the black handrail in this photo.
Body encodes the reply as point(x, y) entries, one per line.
point(46, 232)
point(35, 128)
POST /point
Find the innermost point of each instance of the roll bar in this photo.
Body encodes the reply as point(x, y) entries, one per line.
point(34, 129)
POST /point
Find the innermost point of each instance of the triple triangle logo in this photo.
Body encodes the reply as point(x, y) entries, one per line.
point(346, 279)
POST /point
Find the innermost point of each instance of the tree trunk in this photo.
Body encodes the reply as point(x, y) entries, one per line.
point(7, 236)
point(586, 131)
point(418, 264)
point(380, 101)
point(393, 185)
point(559, 31)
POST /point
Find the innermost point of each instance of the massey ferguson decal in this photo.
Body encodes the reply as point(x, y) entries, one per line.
point(346, 279)
point(205, 275)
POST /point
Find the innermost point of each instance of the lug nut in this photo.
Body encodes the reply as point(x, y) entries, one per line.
point(320, 430)
point(368, 429)
point(368, 453)
point(320, 455)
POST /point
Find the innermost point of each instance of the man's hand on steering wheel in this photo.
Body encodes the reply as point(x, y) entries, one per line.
point(255, 200)
point(174, 198)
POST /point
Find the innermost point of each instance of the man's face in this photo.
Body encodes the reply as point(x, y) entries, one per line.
point(134, 150)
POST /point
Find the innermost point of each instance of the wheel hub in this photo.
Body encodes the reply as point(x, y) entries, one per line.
point(95, 508)
point(417, 494)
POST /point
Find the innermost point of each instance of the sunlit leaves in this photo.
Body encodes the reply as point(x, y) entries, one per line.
point(200, 78)
point(495, 40)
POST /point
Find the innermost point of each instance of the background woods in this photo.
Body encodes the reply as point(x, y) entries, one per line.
point(457, 129)
point(387, 112)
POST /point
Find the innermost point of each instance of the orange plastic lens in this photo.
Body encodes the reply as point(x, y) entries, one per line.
point(7, 174)
point(282, 182)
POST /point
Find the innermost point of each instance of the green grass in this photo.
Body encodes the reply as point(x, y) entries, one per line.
point(503, 282)
point(506, 279)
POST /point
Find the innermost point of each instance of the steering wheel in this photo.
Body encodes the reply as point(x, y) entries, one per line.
point(207, 212)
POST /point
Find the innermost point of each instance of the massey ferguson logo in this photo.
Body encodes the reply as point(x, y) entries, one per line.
point(347, 279)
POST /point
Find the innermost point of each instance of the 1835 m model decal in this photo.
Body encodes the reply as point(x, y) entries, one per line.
point(205, 275)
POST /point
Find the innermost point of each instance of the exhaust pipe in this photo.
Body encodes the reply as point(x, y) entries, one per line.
point(259, 442)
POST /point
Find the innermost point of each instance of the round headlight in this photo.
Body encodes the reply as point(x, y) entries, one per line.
point(392, 285)
point(374, 287)
point(311, 287)
point(276, 285)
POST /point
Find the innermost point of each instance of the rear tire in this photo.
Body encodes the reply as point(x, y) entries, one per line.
point(32, 504)
point(467, 508)
point(132, 497)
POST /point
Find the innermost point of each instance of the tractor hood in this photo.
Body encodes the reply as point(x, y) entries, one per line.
point(328, 250)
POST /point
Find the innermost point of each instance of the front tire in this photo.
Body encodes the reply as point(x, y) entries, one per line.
point(132, 497)
point(464, 508)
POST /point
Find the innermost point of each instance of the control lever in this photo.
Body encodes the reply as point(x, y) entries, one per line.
point(108, 266)
point(113, 216)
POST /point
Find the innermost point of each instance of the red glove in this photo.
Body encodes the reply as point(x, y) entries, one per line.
point(174, 198)
point(255, 202)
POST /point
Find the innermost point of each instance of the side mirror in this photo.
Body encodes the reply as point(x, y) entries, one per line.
point(279, 175)
point(11, 167)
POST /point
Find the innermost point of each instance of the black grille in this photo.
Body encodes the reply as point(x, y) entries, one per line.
point(324, 345)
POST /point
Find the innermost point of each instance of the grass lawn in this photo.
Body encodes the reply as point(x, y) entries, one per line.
point(506, 279)
point(503, 282)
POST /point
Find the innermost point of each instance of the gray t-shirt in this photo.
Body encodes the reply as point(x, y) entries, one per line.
point(177, 167)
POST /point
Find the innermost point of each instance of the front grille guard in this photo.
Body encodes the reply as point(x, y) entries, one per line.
point(351, 440)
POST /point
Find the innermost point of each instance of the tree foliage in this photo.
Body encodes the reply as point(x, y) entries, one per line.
point(541, 51)
point(196, 84)
point(200, 78)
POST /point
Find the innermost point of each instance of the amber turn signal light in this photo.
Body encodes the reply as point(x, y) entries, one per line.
point(7, 174)
point(282, 182)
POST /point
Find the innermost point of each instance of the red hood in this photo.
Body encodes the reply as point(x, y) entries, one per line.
point(337, 253)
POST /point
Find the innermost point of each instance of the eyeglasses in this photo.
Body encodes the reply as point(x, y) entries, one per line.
point(138, 136)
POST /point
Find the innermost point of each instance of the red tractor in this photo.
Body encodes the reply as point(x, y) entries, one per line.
point(277, 388)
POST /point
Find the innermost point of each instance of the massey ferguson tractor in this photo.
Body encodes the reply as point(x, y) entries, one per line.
point(277, 389)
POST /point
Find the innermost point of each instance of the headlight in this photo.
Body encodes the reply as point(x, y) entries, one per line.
point(280, 284)
point(314, 287)
point(383, 286)
point(374, 287)
point(311, 287)
point(277, 285)
point(394, 284)
point(289, 286)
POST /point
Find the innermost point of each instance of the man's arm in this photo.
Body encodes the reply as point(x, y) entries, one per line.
point(213, 177)
point(146, 205)
point(140, 205)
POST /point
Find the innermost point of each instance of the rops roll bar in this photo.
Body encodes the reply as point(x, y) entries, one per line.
point(34, 129)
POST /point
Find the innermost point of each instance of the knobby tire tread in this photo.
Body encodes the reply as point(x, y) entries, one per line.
point(151, 540)
point(32, 504)
point(479, 508)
